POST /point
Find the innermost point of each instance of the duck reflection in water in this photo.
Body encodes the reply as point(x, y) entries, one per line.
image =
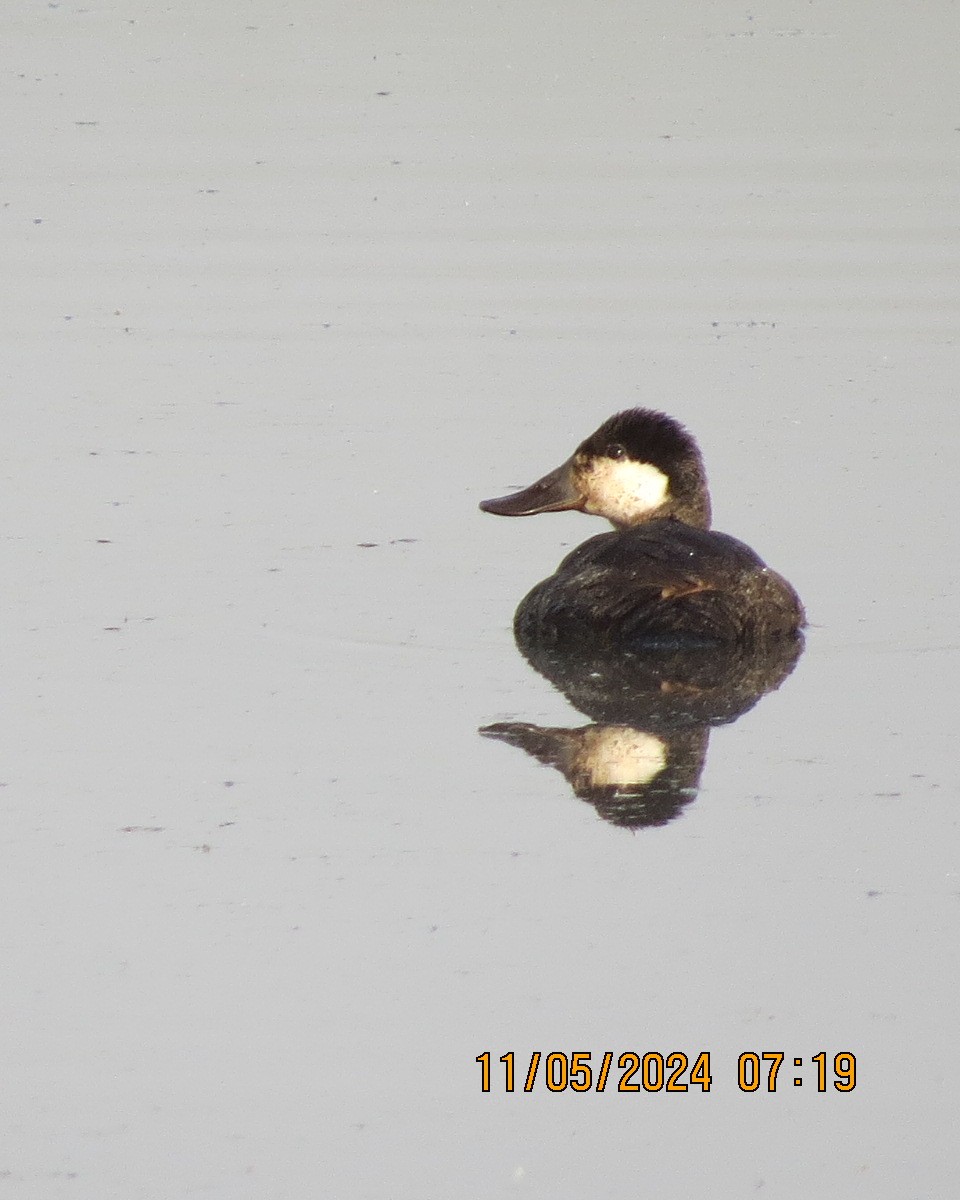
point(656, 631)
point(641, 762)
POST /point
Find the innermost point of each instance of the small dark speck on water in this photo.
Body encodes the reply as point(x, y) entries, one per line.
point(367, 545)
point(404, 541)
point(140, 829)
point(873, 893)
point(383, 93)
point(104, 542)
point(229, 783)
point(38, 220)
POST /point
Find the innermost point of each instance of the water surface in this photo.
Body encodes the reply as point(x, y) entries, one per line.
point(288, 291)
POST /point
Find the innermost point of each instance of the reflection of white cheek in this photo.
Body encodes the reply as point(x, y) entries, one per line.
point(622, 757)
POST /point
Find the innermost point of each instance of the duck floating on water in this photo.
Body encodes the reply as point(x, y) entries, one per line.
point(664, 580)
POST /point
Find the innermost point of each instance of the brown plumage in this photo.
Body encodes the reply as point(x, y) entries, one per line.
point(664, 578)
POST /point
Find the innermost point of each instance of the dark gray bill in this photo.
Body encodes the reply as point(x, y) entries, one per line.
point(555, 492)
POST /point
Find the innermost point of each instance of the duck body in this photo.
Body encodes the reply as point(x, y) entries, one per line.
point(662, 585)
point(664, 580)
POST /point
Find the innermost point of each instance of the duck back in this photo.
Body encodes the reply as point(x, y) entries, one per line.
point(661, 584)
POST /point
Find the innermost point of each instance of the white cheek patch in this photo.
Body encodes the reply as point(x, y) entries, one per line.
point(624, 491)
point(618, 756)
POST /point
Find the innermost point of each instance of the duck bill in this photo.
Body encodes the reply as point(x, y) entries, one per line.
point(556, 492)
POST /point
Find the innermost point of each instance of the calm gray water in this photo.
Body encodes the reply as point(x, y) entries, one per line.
point(289, 289)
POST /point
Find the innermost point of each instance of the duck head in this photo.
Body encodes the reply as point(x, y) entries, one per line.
point(638, 466)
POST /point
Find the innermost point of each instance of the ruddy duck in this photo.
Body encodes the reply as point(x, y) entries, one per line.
point(664, 579)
